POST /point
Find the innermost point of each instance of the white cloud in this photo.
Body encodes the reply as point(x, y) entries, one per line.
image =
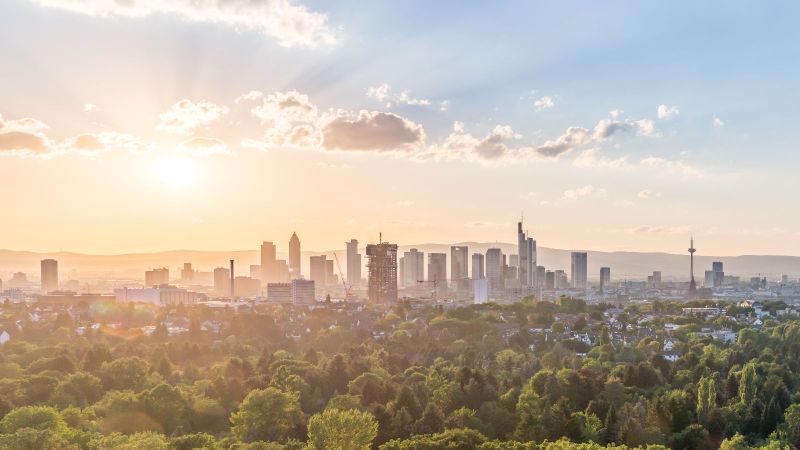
point(591, 158)
point(405, 204)
point(202, 146)
point(290, 24)
point(186, 116)
point(93, 143)
point(717, 122)
point(616, 113)
point(667, 112)
point(644, 193)
point(24, 137)
point(542, 103)
point(88, 107)
point(670, 166)
point(607, 128)
point(584, 191)
point(383, 93)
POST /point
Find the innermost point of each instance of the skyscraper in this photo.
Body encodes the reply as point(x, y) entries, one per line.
point(477, 266)
point(459, 273)
point(605, 278)
point(494, 271)
point(413, 267)
point(222, 281)
point(526, 247)
point(49, 275)
point(294, 257)
point(437, 272)
point(269, 270)
point(156, 277)
point(317, 271)
point(719, 273)
point(382, 273)
point(353, 263)
point(579, 270)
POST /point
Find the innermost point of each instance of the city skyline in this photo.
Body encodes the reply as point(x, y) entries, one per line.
point(150, 111)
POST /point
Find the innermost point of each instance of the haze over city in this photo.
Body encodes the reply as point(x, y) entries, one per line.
point(156, 126)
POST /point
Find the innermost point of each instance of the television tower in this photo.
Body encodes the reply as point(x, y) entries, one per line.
point(692, 284)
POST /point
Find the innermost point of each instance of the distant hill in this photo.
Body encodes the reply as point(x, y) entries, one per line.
point(624, 265)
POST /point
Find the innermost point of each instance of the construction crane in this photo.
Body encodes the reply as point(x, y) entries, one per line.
point(345, 286)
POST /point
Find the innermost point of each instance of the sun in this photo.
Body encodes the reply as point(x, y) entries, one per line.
point(175, 170)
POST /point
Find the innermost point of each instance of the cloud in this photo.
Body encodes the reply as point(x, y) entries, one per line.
point(717, 122)
point(23, 143)
point(88, 107)
point(91, 143)
point(591, 158)
point(644, 193)
point(585, 191)
point(185, 116)
point(570, 139)
point(372, 131)
point(202, 146)
point(543, 103)
point(667, 112)
point(669, 166)
point(290, 24)
point(495, 147)
point(382, 93)
point(607, 128)
point(404, 204)
point(659, 230)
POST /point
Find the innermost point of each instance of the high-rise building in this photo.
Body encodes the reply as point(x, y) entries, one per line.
point(413, 267)
point(255, 271)
point(605, 278)
point(246, 287)
point(353, 263)
point(708, 279)
point(513, 260)
point(561, 279)
point(156, 277)
point(656, 278)
point(294, 257)
point(382, 273)
point(719, 273)
point(49, 275)
point(550, 280)
point(279, 292)
point(222, 281)
point(526, 248)
point(478, 266)
point(579, 270)
point(317, 271)
point(459, 271)
point(187, 273)
point(282, 273)
point(494, 271)
point(437, 272)
point(330, 275)
point(269, 269)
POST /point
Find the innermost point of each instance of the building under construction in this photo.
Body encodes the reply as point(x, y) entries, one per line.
point(382, 268)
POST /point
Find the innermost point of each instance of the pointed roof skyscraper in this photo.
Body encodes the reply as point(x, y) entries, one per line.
point(294, 256)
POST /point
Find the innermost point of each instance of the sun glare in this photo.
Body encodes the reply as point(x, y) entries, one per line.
point(175, 170)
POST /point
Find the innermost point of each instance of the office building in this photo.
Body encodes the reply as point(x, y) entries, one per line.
point(480, 290)
point(222, 281)
point(303, 292)
point(579, 270)
point(437, 273)
point(459, 271)
point(605, 278)
point(295, 270)
point(187, 273)
point(279, 292)
point(413, 267)
point(330, 276)
point(549, 280)
point(382, 273)
point(657, 279)
point(719, 273)
point(163, 295)
point(478, 272)
point(269, 269)
point(49, 275)
point(353, 263)
point(526, 247)
point(561, 281)
point(255, 271)
point(156, 277)
point(494, 271)
point(317, 271)
point(708, 279)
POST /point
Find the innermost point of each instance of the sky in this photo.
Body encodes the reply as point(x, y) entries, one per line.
point(144, 125)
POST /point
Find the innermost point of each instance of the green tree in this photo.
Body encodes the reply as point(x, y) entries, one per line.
point(335, 429)
point(267, 415)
